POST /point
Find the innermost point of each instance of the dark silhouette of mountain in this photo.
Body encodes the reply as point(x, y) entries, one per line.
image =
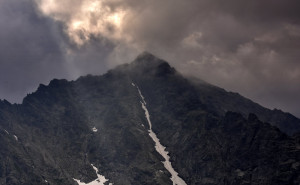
point(115, 127)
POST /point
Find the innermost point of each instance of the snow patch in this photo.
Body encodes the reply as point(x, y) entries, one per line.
point(94, 129)
point(240, 173)
point(16, 138)
point(133, 84)
point(99, 181)
point(160, 148)
point(6, 131)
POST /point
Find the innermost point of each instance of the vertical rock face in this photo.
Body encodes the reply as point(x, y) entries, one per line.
point(212, 136)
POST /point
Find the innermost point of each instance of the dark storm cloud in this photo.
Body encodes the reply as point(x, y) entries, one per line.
point(28, 49)
point(90, 58)
point(34, 50)
point(251, 47)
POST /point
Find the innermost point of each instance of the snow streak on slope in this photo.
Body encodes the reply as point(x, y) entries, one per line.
point(99, 181)
point(94, 129)
point(158, 146)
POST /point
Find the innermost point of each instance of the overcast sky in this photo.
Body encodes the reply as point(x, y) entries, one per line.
point(250, 47)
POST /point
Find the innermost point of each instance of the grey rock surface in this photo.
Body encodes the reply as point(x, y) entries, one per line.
point(213, 136)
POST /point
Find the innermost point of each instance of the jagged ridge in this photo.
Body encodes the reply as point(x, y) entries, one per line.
point(207, 145)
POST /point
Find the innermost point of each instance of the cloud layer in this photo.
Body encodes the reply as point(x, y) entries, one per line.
point(249, 47)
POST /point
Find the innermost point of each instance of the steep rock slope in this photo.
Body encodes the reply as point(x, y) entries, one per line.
point(222, 101)
point(65, 130)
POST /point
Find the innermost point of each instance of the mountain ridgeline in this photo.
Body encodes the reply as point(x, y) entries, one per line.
point(112, 129)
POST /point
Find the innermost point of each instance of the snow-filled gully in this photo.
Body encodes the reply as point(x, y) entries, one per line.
point(158, 146)
point(99, 181)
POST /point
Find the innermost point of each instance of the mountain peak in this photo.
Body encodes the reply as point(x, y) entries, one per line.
point(145, 63)
point(103, 123)
point(145, 55)
point(148, 59)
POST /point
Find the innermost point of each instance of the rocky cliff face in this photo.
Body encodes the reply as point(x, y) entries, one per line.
point(64, 131)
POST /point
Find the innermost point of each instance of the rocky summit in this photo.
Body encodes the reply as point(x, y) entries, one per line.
point(145, 123)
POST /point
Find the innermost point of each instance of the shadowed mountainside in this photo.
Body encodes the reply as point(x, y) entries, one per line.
point(212, 136)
